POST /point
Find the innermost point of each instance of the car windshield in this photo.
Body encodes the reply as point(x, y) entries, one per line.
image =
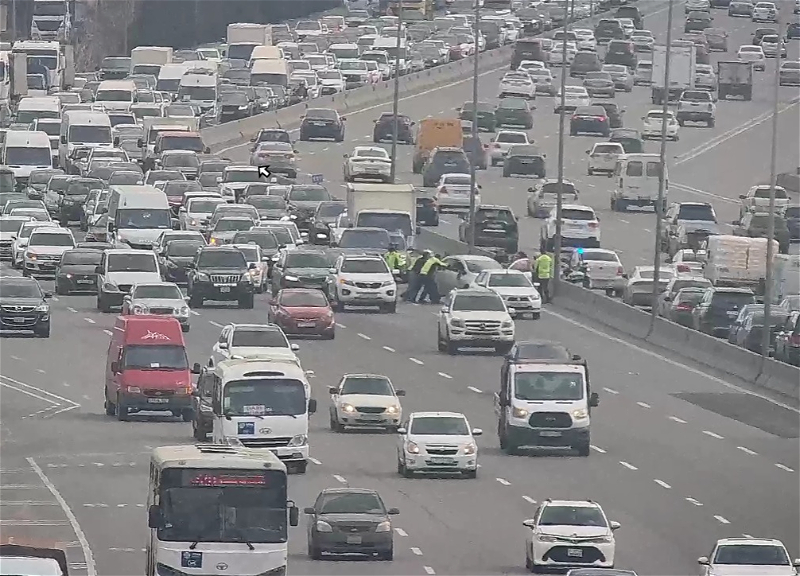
point(457, 180)
point(762, 221)
point(371, 385)
point(7, 225)
point(267, 202)
point(572, 516)
point(247, 338)
point(699, 283)
point(598, 256)
point(696, 212)
point(204, 206)
point(351, 503)
point(45, 239)
point(251, 253)
point(509, 281)
point(163, 292)
point(282, 234)
point(371, 153)
point(512, 138)
point(241, 176)
point(144, 218)
point(478, 302)
point(732, 299)
point(233, 224)
point(264, 396)
point(375, 239)
point(84, 257)
point(154, 357)
point(690, 296)
point(132, 263)
point(331, 210)
point(230, 259)
point(301, 260)
point(180, 161)
point(365, 266)
point(321, 114)
point(15, 289)
point(262, 239)
point(751, 555)
point(310, 299)
point(439, 426)
point(183, 249)
point(548, 386)
point(308, 194)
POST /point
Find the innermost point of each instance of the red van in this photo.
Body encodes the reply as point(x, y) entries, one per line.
point(147, 368)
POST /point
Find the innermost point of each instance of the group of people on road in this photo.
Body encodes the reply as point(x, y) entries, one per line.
point(541, 269)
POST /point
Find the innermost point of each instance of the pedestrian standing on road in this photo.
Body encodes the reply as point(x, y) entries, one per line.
point(543, 269)
point(415, 277)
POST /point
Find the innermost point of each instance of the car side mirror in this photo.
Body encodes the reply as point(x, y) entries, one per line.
point(594, 400)
point(614, 525)
point(477, 432)
point(345, 156)
point(393, 511)
point(294, 516)
point(312, 406)
point(703, 561)
point(98, 269)
point(308, 510)
point(400, 392)
point(206, 150)
point(154, 517)
point(742, 196)
point(139, 142)
point(294, 347)
point(196, 368)
point(223, 345)
point(529, 524)
point(401, 430)
point(333, 390)
point(115, 367)
point(343, 118)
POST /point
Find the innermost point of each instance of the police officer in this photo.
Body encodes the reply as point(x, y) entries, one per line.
point(415, 277)
point(428, 273)
point(392, 257)
point(543, 270)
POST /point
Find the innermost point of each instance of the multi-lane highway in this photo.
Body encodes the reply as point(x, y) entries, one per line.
point(680, 457)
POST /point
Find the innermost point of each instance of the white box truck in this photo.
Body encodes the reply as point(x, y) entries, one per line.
point(242, 37)
point(150, 59)
point(737, 261)
point(392, 207)
point(681, 71)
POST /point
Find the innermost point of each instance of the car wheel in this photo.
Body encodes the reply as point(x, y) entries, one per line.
point(387, 556)
point(109, 406)
point(123, 414)
point(590, 172)
point(313, 551)
point(451, 348)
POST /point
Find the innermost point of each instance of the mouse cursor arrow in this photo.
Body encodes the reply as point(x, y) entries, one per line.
point(264, 172)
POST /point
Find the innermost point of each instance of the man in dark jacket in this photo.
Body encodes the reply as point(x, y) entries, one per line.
point(415, 277)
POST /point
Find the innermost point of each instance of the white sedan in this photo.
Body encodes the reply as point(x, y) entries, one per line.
point(603, 157)
point(754, 54)
point(771, 45)
point(586, 39)
point(502, 141)
point(365, 401)
point(452, 192)
point(556, 54)
point(765, 12)
point(438, 442)
point(369, 163)
point(652, 125)
point(517, 84)
point(575, 97)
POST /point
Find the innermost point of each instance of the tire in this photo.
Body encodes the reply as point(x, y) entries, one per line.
point(102, 306)
point(60, 291)
point(471, 474)
point(314, 552)
point(451, 348)
point(25, 272)
point(503, 348)
point(304, 137)
point(185, 328)
point(110, 407)
point(387, 556)
point(122, 412)
point(493, 162)
point(335, 425)
point(590, 172)
point(187, 415)
point(195, 301)
point(247, 302)
point(390, 308)
point(506, 173)
point(196, 434)
point(300, 467)
point(583, 449)
point(45, 333)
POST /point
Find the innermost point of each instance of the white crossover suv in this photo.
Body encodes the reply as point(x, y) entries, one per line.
point(475, 318)
point(362, 281)
point(438, 443)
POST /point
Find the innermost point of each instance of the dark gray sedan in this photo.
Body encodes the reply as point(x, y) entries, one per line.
point(350, 521)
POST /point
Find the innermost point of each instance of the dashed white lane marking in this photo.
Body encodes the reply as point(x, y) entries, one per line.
point(107, 332)
point(429, 570)
point(445, 375)
point(195, 313)
point(417, 361)
point(712, 434)
point(528, 499)
point(746, 536)
point(721, 519)
point(747, 451)
point(340, 325)
point(90, 321)
point(693, 501)
point(662, 483)
point(40, 371)
point(401, 532)
point(416, 551)
point(340, 479)
point(15, 357)
point(503, 481)
point(628, 465)
point(71, 309)
point(476, 390)
point(314, 461)
point(389, 349)
point(644, 404)
point(597, 449)
point(364, 336)
point(610, 390)
point(217, 324)
point(784, 467)
point(678, 420)
point(620, 219)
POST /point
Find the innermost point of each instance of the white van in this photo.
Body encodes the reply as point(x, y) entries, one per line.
point(51, 127)
point(116, 95)
point(137, 215)
point(265, 53)
point(24, 152)
point(199, 90)
point(32, 108)
point(169, 77)
point(273, 72)
point(637, 181)
point(82, 128)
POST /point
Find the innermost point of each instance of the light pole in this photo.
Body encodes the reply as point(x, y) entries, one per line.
point(662, 172)
point(396, 99)
point(561, 120)
point(473, 174)
point(773, 169)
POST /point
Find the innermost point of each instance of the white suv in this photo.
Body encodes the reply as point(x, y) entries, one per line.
point(569, 533)
point(696, 106)
point(476, 318)
point(44, 250)
point(579, 227)
point(362, 281)
point(748, 555)
point(22, 237)
point(503, 141)
point(437, 442)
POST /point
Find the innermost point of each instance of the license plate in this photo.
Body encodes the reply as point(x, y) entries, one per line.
point(574, 552)
point(306, 324)
point(158, 400)
point(369, 416)
point(442, 460)
point(526, 161)
point(224, 289)
point(550, 434)
point(367, 295)
point(18, 320)
point(354, 539)
point(318, 123)
point(85, 282)
point(733, 314)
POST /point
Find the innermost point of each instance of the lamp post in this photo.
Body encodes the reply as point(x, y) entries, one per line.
point(662, 172)
point(473, 174)
point(396, 98)
point(561, 120)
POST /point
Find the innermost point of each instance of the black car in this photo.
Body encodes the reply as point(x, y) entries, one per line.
point(475, 151)
point(583, 63)
point(737, 8)
point(613, 112)
point(793, 31)
point(444, 160)
point(70, 202)
point(631, 12)
point(697, 21)
point(384, 128)
point(630, 139)
point(322, 123)
point(621, 52)
point(266, 239)
point(220, 274)
point(23, 306)
point(719, 308)
point(513, 112)
point(486, 118)
point(427, 210)
point(792, 216)
point(589, 119)
point(177, 258)
point(608, 29)
point(302, 201)
point(233, 106)
point(495, 228)
point(352, 517)
point(300, 269)
point(75, 272)
point(324, 217)
point(524, 159)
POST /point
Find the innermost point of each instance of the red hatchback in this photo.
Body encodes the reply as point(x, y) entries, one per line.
point(303, 311)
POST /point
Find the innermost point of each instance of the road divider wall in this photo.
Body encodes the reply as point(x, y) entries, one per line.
point(717, 354)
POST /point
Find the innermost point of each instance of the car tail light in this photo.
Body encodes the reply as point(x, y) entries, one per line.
point(602, 118)
point(683, 268)
point(496, 145)
point(684, 307)
point(443, 191)
point(592, 225)
point(620, 270)
point(794, 340)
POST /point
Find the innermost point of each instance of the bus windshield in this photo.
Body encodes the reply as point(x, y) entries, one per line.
point(264, 397)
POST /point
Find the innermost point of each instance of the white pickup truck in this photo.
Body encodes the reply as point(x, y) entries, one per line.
point(757, 200)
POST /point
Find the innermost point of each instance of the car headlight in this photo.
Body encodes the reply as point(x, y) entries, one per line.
point(412, 448)
point(385, 526)
point(470, 449)
point(546, 538)
point(457, 323)
point(347, 282)
point(387, 283)
point(110, 287)
point(393, 409)
point(202, 277)
point(31, 255)
point(139, 309)
point(519, 412)
point(275, 258)
point(348, 408)
point(507, 324)
point(183, 311)
point(299, 440)
point(44, 308)
point(580, 414)
point(134, 389)
point(323, 526)
point(291, 278)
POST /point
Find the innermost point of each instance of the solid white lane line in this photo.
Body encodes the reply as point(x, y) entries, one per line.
point(389, 349)
point(597, 449)
point(721, 519)
point(314, 461)
point(416, 551)
point(364, 336)
point(644, 404)
point(195, 313)
point(340, 479)
point(401, 532)
point(428, 570)
point(476, 390)
point(784, 467)
point(610, 390)
point(217, 324)
point(628, 465)
point(662, 483)
point(91, 569)
point(678, 420)
point(712, 434)
point(747, 451)
point(90, 321)
point(529, 500)
point(416, 361)
point(445, 375)
point(693, 501)
point(503, 481)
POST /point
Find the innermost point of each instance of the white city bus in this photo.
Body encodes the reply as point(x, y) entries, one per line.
point(218, 509)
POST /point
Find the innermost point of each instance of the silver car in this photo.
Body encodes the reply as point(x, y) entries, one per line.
point(621, 75)
point(157, 298)
point(279, 156)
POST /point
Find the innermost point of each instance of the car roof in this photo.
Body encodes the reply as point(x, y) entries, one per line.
point(573, 503)
point(750, 542)
point(257, 327)
point(436, 415)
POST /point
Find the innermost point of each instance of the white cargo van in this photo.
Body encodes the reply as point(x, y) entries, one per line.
point(137, 215)
point(272, 72)
point(32, 108)
point(637, 180)
point(24, 152)
point(265, 53)
point(150, 59)
point(82, 128)
point(199, 90)
point(116, 95)
point(169, 77)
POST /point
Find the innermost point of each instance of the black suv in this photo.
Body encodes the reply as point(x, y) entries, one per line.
point(300, 269)
point(76, 271)
point(608, 29)
point(302, 202)
point(384, 128)
point(486, 117)
point(234, 106)
point(324, 217)
point(583, 63)
point(613, 111)
point(631, 12)
point(322, 123)
point(23, 306)
point(719, 308)
point(495, 227)
point(444, 160)
point(513, 112)
point(525, 159)
point(621, 52)
point(176, 259)
point(220, 273)
point(70, 202)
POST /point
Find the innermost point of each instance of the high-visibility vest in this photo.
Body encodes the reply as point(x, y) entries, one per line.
point(544, 266)
point(430, 263)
